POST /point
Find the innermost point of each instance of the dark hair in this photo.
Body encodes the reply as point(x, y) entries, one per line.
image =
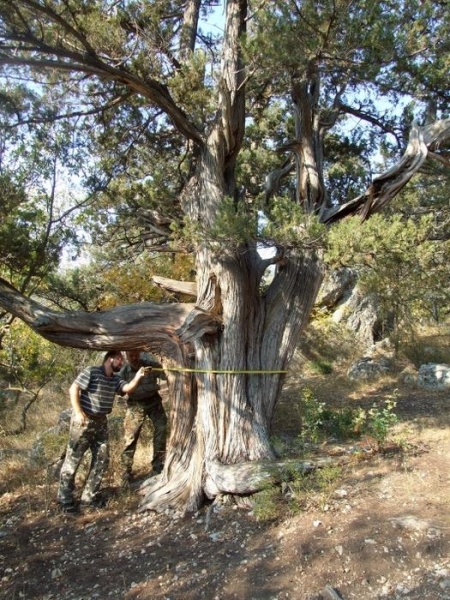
point(111, 354)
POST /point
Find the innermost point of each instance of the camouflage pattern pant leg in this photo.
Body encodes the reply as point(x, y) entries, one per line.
point(99, 463)
point(134, 420)
point(92, 435)
point(158, 417)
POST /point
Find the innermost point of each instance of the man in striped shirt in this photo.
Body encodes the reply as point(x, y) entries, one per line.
point(92, 397)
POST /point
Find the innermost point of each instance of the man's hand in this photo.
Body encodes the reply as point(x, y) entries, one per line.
point(79, 418)
point(129, 387)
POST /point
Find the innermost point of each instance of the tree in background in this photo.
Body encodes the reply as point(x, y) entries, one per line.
point(400, 262)
point(34, 213)
point(259, 137)
point(28, 363)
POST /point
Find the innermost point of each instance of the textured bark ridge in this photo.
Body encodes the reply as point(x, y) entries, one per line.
point(220, 421)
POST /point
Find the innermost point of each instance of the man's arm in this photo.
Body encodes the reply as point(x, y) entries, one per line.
point(74, 394)
point(129, 387)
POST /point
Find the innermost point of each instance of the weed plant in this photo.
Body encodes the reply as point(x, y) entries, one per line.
point(268, 504)
point(321, 366)
point(299, 492)
point(320, 422)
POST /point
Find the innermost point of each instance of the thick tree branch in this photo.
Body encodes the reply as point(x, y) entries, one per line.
point(141, 325)
point(251, 477)
point(182, 287)
point(386, 186)
point(155, 92)
point(232, 85)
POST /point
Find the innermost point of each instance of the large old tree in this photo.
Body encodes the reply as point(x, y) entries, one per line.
point(221, 140)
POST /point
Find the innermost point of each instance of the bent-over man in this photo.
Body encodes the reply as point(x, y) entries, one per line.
point(143, 402)
point(92, 397)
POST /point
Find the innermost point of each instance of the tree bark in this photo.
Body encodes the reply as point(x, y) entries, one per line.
point(183, 287)
point(224, 418)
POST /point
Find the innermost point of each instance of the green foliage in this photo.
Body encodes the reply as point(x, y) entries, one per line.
point(267, 128)
point(399, 260)
point(188, 87)
point(298, 492)
point(267, 504)
point(381, 420)
point(346, 171)
point(288, 225)
point(320, 422)
point(234, 225)
point(313, 489)
point(123, 134)
point(313, 415)
point(30, 361)
point(322, 366)
point(105, 283)
point(25, 246)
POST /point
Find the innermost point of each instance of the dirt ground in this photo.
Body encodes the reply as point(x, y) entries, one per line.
point(382, 532)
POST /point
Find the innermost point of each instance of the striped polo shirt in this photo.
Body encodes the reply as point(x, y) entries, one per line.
point(98, 390)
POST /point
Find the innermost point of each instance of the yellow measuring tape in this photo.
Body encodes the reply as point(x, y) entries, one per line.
point(219, 372)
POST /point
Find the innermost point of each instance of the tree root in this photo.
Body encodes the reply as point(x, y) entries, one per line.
point(234, 482)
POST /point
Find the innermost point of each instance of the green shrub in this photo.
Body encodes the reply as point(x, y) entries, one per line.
point(381, 420)
point(320, 423)
point(313, 413)
point(313, 489)
point(321, 366)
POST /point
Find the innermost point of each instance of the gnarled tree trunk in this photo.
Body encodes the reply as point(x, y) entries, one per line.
point(225, 419)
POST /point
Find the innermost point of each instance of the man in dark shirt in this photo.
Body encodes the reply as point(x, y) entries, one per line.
point(143, 402)
point(92, 397)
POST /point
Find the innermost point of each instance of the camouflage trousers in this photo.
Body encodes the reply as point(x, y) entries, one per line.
point(93, 436)
point(135, 417)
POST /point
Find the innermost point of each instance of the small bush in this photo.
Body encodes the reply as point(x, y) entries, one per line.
point(314, 489)
point(381, 420)
point(313, 416)
point(320, 423)
point(323, 367)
